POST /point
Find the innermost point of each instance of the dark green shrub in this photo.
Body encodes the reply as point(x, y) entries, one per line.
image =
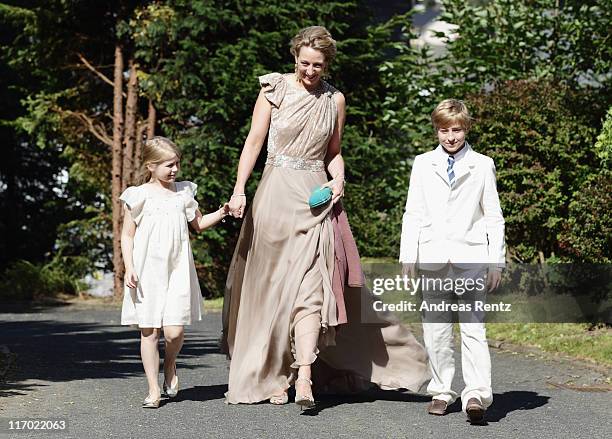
point(587, 234)
point(24, 280)
point(543, 151)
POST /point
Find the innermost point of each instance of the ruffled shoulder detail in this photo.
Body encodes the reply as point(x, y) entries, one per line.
point(134, 199)
point(189, 191)
point(187, 186)
point(275, 87)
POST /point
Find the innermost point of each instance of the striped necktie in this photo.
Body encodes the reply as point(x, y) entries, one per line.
point(450, 171)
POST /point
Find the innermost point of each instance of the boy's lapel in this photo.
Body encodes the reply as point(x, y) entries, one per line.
point(465, 165)
point(439, 169)
point(462, 169)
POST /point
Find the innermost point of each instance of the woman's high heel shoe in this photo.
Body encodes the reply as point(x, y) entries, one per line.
point(304, 401)
point(281, 399)
point(171, 391)
point(151, 403)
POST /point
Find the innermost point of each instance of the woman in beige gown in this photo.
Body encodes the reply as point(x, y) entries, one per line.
point(280, 312)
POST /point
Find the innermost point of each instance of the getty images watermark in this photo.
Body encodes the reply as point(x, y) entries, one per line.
point(472, 289)
point(527, 293)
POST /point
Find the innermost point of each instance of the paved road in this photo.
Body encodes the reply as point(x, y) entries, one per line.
point(76, 363)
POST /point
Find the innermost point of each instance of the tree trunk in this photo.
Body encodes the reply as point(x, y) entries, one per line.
point(140, 132)
point(129, 138)
point(117, 162)
point(151, 120)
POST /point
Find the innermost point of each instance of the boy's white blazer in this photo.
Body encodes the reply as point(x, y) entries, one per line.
point(461, 225)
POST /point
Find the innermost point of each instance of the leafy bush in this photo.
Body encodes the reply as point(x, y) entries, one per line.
point(542, 148)
point(85, 244)
point(24, 280)
point(586, 236)
point(603, 146)
point(542, 39)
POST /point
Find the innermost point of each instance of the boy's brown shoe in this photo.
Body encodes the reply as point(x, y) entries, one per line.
point(475, 411)
point(437, 407)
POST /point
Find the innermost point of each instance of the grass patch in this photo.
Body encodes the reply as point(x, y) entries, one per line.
point(391, 261)
point(213, 304)
point(579, 340)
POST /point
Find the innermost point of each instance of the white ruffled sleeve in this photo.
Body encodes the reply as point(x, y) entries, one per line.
point(191, 205)
point(134, 200)
point(275, 87)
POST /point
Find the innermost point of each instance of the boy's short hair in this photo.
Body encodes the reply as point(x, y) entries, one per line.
point(449, 112)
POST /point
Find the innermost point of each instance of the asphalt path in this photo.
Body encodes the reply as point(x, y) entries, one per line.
point(76, 363)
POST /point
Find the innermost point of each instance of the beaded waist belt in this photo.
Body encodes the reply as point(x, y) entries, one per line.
point(285, 161)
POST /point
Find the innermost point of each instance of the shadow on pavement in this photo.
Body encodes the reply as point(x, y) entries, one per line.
point(33, 306)
point(503, 403)
point(17, 389)
point(507, 402)
point(199, 393)
point(66, 351)
point(328, 401)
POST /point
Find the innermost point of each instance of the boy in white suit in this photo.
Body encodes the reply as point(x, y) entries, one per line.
point(453, 228)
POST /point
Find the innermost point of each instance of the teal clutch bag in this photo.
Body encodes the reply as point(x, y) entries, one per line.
point(320, 196)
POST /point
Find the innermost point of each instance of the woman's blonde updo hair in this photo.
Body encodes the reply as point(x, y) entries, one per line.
point(156, 150)
point(318, 38)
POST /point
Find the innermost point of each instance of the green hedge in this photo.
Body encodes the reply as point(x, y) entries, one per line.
point(543, 150)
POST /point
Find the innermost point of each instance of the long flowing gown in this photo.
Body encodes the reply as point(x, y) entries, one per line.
point(282, 268)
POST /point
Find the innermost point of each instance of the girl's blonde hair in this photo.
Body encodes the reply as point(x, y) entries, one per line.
point(449, 112)
point(156, 150)
point(315, 37)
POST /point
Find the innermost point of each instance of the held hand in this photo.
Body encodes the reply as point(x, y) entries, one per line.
point(337, 187)
point(409, 270)
point(225, 209)
point(493, 280)
point(237, 205)
point(131, 278)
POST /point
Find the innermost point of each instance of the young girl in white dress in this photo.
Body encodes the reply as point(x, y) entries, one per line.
point(161, 285)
